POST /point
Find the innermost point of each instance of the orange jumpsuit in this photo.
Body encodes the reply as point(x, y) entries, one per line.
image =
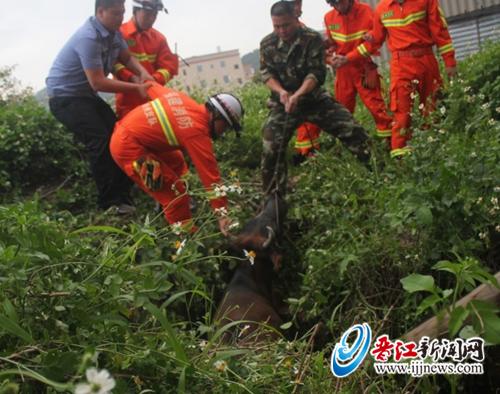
point(345, 33)
point(160, 129)
point(151, 49)
point(412, 28)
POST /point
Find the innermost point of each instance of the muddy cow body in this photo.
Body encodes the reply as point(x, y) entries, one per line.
point(249, 294)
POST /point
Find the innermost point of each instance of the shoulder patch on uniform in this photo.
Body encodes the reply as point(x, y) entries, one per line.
point(388, 14)
point(335, 26)
point(131, 42)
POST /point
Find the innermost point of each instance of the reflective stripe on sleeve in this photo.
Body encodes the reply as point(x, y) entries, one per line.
point(363, 51)
point(446, 48)
point(348, 37)
point(165, 73)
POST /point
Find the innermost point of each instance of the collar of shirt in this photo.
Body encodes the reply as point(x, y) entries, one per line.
point(399, 2)
point(129, 28)
point(103, 32)
point(289, 46)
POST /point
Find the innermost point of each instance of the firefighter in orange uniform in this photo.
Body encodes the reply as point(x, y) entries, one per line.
point(307, 140)
point(146, 142)
point(346, 25)
point(148, 46)
point(412, 28)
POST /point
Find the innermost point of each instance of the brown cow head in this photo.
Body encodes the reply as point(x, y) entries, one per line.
point(261, 235)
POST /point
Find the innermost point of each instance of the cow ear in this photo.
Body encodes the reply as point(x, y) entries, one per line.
point(276, 258)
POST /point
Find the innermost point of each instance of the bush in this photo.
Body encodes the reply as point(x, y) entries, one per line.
point(34, 148)
point(482, 73)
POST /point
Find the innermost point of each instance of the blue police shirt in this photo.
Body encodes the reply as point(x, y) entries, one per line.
point(91, 47)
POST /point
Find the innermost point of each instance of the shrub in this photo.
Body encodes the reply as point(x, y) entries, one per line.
point(34, 147)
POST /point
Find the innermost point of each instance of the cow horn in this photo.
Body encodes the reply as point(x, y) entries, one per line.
point(270, 236)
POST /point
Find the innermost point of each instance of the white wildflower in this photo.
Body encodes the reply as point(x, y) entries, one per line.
point(421, 106)
point(99, 382)
point(442, 131)
point(220, 365)
point(479, 200)
point(494, 201)
point(497, 228)
point(415, 81)
point(220, 190)
point(470, 99)
point(203, 344)
point(467, 88)
point(498, 110)
point(485, 106)
point(431, 139)
point(413, 95)
point(222, 211)
point(250, 255)
point(235, 188)
point(483, 235)
point(442, 110)
point(473, 155)
point(496, 189)
point(491, 122)
point(177, 228)
point(481, 97)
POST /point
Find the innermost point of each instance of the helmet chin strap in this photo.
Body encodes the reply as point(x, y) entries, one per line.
point(213, 134)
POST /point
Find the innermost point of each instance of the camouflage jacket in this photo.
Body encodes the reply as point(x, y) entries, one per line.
point(292, 63)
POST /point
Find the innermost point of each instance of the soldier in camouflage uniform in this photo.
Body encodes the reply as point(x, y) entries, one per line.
point(292, 63)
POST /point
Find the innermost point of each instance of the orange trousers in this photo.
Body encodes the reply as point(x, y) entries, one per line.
point(411, 76)
point(349, 83)
point(173, 197)
point(307, 138)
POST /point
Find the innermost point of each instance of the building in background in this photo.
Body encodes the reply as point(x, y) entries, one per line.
point(471, 23)
point(219, 70)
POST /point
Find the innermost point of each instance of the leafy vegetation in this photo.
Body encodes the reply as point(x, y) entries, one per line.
point(34, 148)
point(391, 247)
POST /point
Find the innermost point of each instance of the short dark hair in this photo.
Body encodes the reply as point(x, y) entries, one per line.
point(283, 8)
point(107, 3)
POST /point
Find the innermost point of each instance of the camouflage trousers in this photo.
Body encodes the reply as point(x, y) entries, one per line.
point(325, 112)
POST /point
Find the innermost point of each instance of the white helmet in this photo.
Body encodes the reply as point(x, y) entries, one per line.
point(229, 107)
point(150, 5)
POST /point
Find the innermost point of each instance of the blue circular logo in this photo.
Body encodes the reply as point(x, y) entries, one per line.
point(347, 358)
